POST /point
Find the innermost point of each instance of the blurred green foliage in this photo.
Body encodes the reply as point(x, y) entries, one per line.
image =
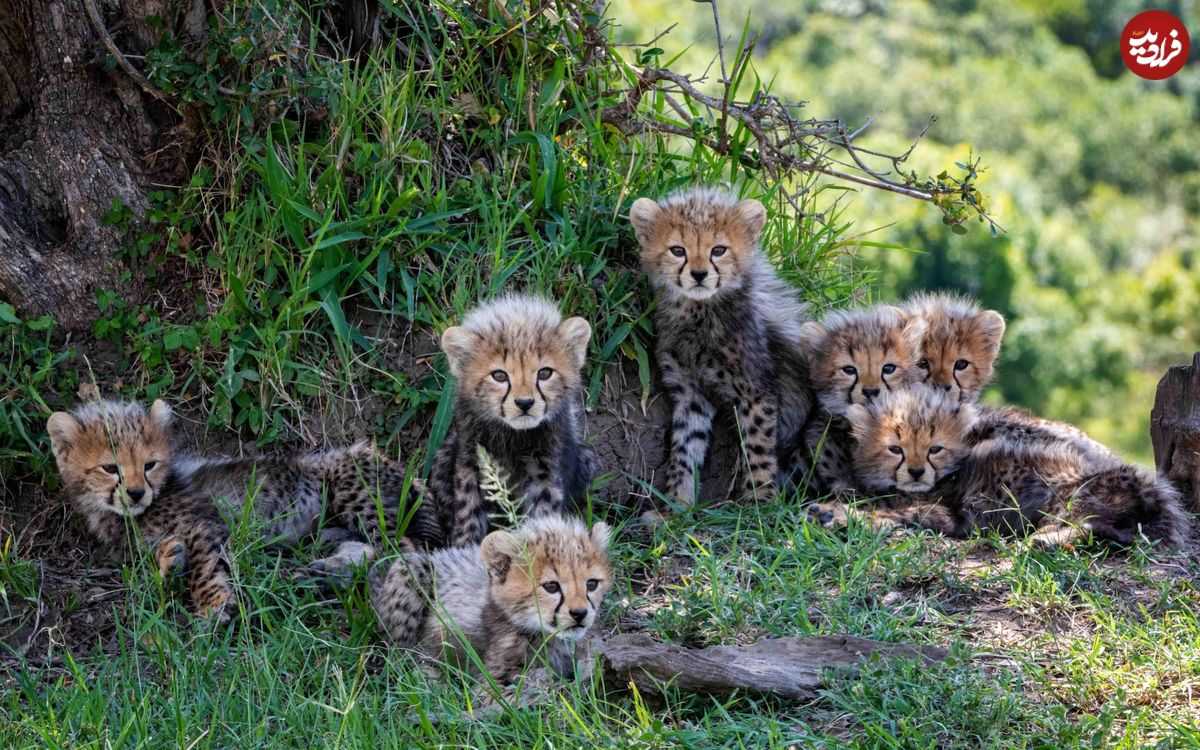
point(1092, 171)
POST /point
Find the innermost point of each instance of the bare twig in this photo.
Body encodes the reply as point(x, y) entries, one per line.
point(783, 143)
point(122, 61)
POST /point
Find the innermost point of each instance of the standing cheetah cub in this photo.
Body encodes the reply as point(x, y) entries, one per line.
point(115, 463)
point(517, 597)
point(727, 333)
point(855, 356)
point(517, 366)
point(919, 443)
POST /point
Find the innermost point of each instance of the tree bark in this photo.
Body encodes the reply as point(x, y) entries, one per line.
point(1175, 429)
point(76, 139)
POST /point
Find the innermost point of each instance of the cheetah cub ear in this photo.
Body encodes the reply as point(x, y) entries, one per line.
point(811, 336)
point(860, 420)
point(754, 214)
point(576, 332)
point(990, 325)
point(601, 534)
point(161, 414)
point(458, 343)
point(643, 215)
point(500, 550)
point(63, 429)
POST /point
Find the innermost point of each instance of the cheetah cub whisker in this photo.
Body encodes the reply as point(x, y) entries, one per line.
point(517, 597)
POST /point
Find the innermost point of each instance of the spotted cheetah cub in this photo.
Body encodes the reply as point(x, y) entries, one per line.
point(727, 328)
point(116, 460)
point(517, 366)
point(960, 343)
point(856, 356)
point(115, 464)
point(919, 443)
point(958, 356)
point(517, 597)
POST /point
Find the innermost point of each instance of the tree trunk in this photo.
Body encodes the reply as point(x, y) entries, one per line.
point(75, 139)
point(1175, 429)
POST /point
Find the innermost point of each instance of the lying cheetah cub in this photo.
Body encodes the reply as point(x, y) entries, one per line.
point(517, 366)
point(727, 333)
point(855, 355)
point(517, 597)
point(919, 443)
point(115, 463)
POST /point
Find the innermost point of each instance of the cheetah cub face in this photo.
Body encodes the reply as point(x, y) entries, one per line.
point(550, 575)
point(960, 345)
point(113, 457)
point(858, 355)
point(697, 244)
point(909, 440)
point(516, 360)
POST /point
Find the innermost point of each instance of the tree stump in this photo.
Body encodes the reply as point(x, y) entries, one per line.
point(789, 668)
point(1175, 429)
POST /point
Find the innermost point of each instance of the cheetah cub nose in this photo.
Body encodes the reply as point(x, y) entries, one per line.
point(699, 276)
point(870, 392)
point(579, 614)
point(524, 404)
point(917, 473)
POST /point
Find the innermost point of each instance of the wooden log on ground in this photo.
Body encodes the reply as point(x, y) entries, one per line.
point(786, 667)
point(1175, 429)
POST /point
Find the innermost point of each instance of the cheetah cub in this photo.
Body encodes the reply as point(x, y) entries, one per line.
point(958, 356)
point(960, 343)
point(115, 463)
point(517, 597)
point(116, 460)
point(856, 356)
point(517, 366)
point(919, 443)
point(727, 328)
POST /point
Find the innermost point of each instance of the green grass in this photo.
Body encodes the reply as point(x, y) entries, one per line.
point(1052, 649)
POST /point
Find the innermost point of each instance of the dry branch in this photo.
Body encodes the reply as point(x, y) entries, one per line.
point(784, 142)
point(792, 668)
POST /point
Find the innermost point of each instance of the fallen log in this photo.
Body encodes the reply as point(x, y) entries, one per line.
point(790, 668)
point(1175, 429)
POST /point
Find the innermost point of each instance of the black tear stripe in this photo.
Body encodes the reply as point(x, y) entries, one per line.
point(562, 598)
point(885, 383)
point(954, 374)
point(850, 393)
point(679, 273)
point(537, 386)
point(507, 392)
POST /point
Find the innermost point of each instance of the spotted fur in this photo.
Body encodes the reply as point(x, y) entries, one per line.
point(855, 355)
point(919, 445)
point(518, 371)
point(728, 329)
point(517, 597)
